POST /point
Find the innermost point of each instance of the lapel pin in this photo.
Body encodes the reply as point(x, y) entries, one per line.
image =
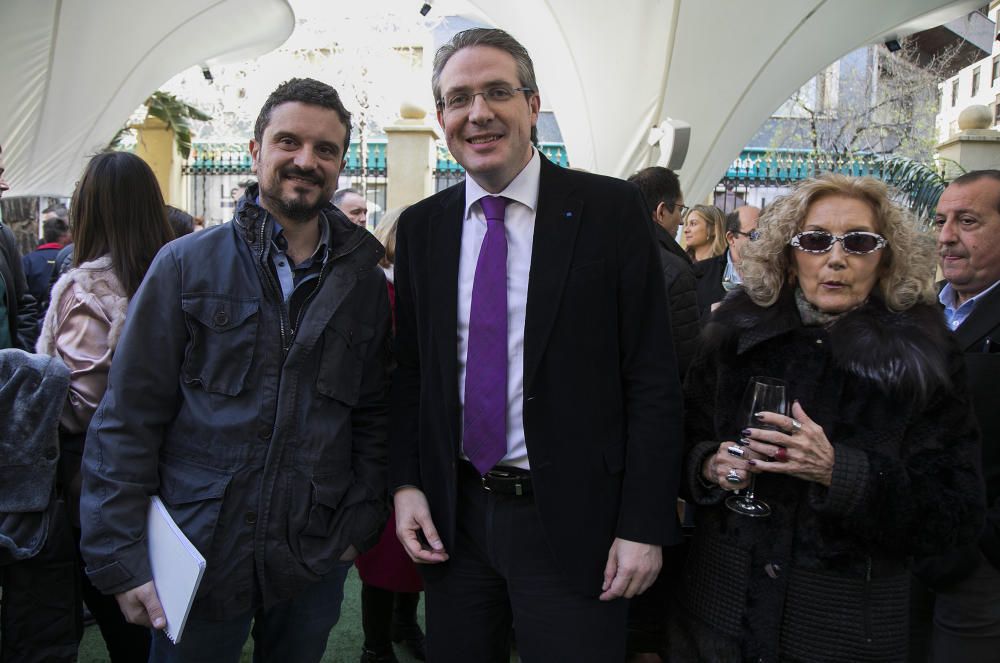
point(569, 215)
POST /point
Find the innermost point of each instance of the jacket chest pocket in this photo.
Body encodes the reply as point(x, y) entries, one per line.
point(342, 363)
point(223, 333)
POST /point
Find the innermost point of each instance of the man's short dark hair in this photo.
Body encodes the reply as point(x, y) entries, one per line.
point(180, 221)
point(54, 229)
point(976, 175)
point(305, 91)
point(338, 196)
point(658, 185)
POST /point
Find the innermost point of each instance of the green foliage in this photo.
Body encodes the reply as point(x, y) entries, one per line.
point(175, 113)
point(920, 183)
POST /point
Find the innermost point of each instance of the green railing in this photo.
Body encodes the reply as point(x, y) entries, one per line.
point(224, 158)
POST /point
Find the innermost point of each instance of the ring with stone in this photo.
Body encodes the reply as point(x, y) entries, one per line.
point(735, 450)
point(781, 455)
point(796, 426)
point(733, 477)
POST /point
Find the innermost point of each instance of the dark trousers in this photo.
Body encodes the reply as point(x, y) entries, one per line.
point(41, 618)
point(967, 619)
point(384, 612)
point(500, 574)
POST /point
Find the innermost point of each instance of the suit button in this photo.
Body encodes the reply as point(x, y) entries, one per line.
point(265, 433)
point(221, 318)
point(250, 518)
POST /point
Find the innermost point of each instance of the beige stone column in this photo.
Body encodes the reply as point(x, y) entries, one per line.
point(411, 155)
point(975, 147)
point(155, 145)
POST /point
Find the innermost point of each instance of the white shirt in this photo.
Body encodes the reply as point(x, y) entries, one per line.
point(519, 228)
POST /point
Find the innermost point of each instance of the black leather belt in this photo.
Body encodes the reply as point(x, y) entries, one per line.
point(504, 480)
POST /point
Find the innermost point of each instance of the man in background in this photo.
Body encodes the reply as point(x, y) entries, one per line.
point(717, 276)
point(40, 263)
point(353, 204)
point(967, 581)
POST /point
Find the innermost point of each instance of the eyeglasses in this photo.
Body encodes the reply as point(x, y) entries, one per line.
point(498, 94)
point(752, 235)
point(820, 241)
point(674, 206)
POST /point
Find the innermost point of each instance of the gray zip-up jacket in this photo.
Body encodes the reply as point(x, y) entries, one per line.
point(264, 436)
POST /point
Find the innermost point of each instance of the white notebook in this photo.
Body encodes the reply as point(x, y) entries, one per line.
point(177, 567)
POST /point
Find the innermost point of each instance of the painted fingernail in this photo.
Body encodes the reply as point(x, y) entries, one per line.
point(745, 432)
point(759, 416)
point(751, 462)
point(743, 441)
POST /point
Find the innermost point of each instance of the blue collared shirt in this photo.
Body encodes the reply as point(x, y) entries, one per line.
point(955, 316)
point(290, 275)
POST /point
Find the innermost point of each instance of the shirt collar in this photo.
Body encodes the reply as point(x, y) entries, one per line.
point(949, 298)
point(523, 188)
point(279, 242)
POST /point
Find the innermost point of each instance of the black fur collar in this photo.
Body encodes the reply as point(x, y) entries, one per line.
point(904, 353)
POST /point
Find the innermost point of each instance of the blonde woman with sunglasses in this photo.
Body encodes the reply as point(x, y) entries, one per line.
point(875, 460)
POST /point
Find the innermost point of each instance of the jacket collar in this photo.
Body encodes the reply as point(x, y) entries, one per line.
point(256, 226)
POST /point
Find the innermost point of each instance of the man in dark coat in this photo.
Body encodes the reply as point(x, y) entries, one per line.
point(260, 418)
point(967, 582)
point(40, 263)
point(661, 190)
point(535, 427)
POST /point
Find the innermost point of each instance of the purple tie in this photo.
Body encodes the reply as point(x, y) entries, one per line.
point(485, 431)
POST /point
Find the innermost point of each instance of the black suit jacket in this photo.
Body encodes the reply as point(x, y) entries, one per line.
point(982, 361)
point(602, 400)
point(709, 273)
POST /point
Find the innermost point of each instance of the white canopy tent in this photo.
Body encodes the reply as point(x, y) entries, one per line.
point(74, 70)
point(613, 70)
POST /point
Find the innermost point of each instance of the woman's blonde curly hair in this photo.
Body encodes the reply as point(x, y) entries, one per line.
point(906, 272)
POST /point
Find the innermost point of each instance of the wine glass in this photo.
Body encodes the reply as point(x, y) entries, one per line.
point(763, 394)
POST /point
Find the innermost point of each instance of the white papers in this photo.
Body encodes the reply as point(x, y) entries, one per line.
point(177, 567)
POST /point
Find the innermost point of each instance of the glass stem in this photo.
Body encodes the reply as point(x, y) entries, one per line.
point(749, 492)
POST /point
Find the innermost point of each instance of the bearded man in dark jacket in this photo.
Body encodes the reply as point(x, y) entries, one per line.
point(249, 391)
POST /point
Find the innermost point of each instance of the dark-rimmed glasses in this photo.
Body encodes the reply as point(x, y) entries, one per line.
point(752, 235)
point(858, 242)
point(674, 206)
point(498, 94)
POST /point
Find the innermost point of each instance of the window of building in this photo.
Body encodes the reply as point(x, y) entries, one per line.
point(975, 81)
point(996, 70)
point(954, 92)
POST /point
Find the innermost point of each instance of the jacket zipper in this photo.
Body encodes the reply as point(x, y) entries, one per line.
point(275, 290)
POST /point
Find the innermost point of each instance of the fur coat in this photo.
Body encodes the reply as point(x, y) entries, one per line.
point(825, 577)
point(82, 327)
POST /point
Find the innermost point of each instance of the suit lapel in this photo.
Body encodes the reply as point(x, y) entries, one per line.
point(442, 257)
point(983, 319)
point(557, 220)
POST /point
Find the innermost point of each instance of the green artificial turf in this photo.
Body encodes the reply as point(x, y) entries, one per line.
point(344, 645)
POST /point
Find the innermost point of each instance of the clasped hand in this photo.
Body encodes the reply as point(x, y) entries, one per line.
point(799, 448)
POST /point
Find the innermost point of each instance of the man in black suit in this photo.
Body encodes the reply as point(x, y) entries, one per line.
point(718, 275)
point(967, 582)
point(536, 424)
